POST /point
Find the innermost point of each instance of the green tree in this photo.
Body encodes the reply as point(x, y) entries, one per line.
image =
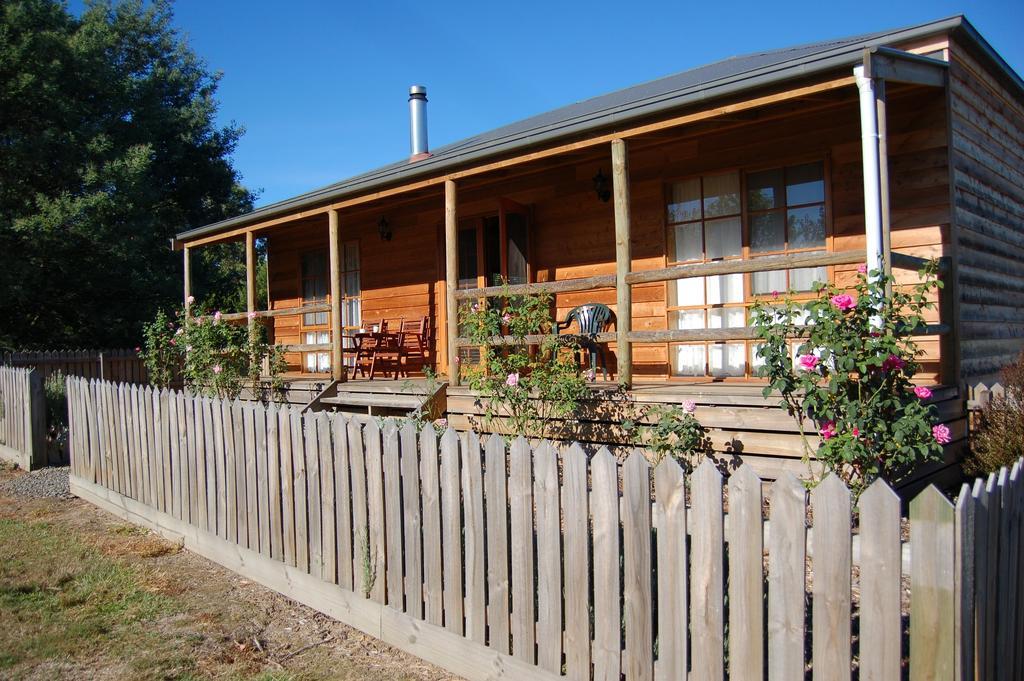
point(108, 147)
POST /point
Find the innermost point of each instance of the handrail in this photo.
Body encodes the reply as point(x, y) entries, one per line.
point(666, 336)
point(303, 347)
point(280, 312)
point(767, 263)
point(562, 286)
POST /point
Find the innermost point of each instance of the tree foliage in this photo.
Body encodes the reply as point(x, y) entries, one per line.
point(108, 147)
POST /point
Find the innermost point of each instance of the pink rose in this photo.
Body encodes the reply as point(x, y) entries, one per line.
point(775, 294)
point(893, 362)
point(941, 434)
point(827, 430)
point(216, 317)
point(506, 318)
point(862, 268)
point(808, 362)
point(856, 431)
point(138, 349)
point(590, 375)
point(843, 301)
point(190, 300)
point(689, 406)
point(441, 423)
point(251, 315)
point(173, 342)
point(512, 380)
point(922, 392)
point(216, 369)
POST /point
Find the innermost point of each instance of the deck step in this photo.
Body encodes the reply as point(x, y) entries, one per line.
point(367, 399)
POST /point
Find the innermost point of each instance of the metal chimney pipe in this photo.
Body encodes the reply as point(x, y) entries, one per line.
point(418, 122)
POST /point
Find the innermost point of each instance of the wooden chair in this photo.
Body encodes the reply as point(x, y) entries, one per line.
point(367, 348)
point(414, 340)
point(591, 319)
point(389, 350)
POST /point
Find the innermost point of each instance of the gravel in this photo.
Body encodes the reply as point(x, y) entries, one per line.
point(45, 482)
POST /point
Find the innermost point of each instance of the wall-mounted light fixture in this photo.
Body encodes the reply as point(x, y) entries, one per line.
point(602, 187)
point(384, 229)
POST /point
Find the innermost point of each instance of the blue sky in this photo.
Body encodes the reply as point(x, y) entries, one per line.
point(321, 87)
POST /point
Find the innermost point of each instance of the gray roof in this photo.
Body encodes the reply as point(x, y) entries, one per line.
point(728, 76)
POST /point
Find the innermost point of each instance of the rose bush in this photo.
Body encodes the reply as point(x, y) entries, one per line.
point(855, 360)
point(213, 357)
point(531, 385)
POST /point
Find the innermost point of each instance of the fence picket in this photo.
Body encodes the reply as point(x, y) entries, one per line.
point(328, 497)
point(431, 493)
point(257, 482)
point(149, 446)
point(746, 576)
point(451, 512)
point(880, 561)
point(932, 610)
point(786, 555)
point(984, 664)
point(604, 503)
point(284, 437)
point(314, 506)
point(393, 514)
point(227, 498)
point(964, 596)
point(830, 502)
point(164, 400)
point(993, 501)
point(411, 525)
point(576, 562)
point(473, 524)
point(275, 484)
point(496, 493)
point(343, 501)
point(210, 484)
point(670, 524)
point(363, 561)
point(1007, 579)
point(247, 455)
point(549, 559)
point(375, 508)
point(707, 621)
point(300, 491)
point(636, 567)
point(520, 493)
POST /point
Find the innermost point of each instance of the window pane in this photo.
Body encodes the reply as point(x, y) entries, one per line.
point(727, 318)
point(767, 232)
point(723, 238)
point(764, 190)
point(324, 361)
point(688, 242)
point(467, 258)
point(350, 313)
point(689, 292)
point(684, 205)
point(805, 184)
point(803, 279)
point(351, 256)
point(755, 361)
point(689, 360)
point(727, 359)
point(689, 319)
point(310, 361)
point(806, 227)
point(721, 195)
point(762, 283)
point(515, 226)
point(725, 288)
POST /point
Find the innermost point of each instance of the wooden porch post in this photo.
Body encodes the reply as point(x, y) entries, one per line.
point(188, 279)
point(337, 368)
point(250, 274)
point(623, 262)
point(883, 180)
point(451, 275)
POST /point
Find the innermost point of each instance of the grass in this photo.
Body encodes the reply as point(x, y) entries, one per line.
point(59, 598)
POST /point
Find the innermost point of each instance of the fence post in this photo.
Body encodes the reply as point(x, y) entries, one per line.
point(103, 375)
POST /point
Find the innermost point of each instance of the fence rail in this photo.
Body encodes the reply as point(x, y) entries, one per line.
point(120, 365)
point(519, 560)
point(22, 417)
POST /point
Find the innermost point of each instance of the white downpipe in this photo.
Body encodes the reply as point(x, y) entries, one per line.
point(872, 178)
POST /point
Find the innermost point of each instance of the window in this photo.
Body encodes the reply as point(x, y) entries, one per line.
point(727, 216)
point(315, 288)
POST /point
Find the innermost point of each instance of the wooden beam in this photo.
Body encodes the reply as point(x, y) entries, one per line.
point(303, 347)
point(590, 142)
point(894, 65)
point(562, 286)
point(187, 254)
point(280, 312)
point(337, 365)
point(766, 263)
point(250, 273)
point(623, 262)
point(451, 278)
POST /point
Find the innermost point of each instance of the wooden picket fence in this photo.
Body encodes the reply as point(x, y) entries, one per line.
point(118, 365)
point(518, 560)
point(22, 417)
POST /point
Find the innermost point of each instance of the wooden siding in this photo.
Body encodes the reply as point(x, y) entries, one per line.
point(987, 155)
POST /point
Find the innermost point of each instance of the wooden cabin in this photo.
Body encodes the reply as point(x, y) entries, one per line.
point(682, 201)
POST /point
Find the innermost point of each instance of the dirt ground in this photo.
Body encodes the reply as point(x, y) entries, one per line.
point(85, 596)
